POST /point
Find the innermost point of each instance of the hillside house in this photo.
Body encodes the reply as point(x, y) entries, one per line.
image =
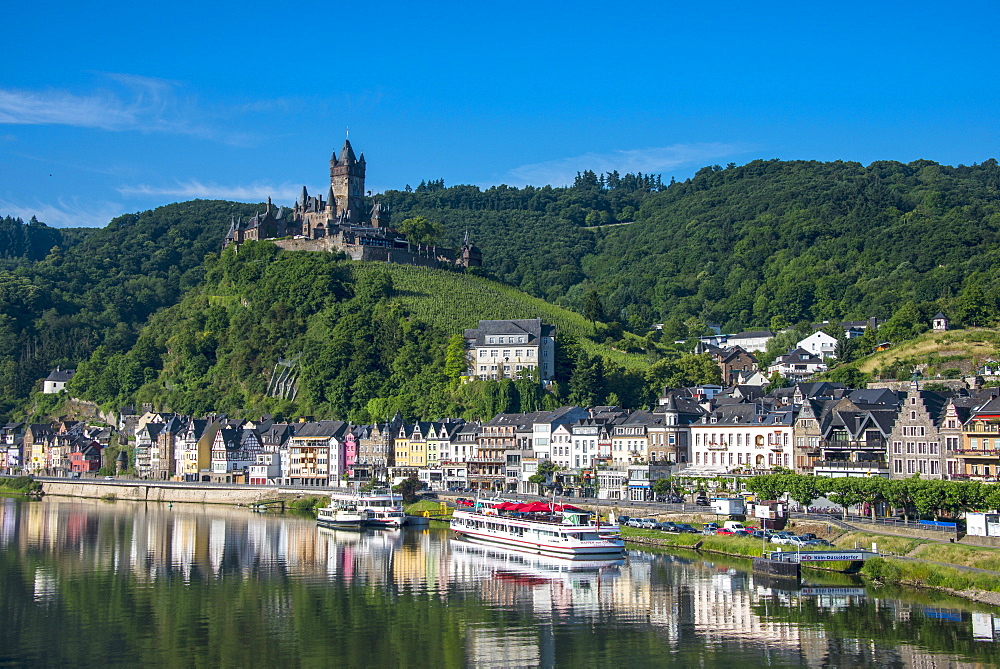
point(797, 365)
point(502, 349)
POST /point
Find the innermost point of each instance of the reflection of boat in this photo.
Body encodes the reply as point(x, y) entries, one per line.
point(386, 508)
point(501, 558)
point(566, 534)
point(340, 514)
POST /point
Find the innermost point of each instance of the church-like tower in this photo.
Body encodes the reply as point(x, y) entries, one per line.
point(347, 183)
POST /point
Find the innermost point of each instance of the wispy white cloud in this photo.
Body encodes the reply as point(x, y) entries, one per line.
point(146, 105)
point(562, 171)
point(64, 213)
point(255, 192)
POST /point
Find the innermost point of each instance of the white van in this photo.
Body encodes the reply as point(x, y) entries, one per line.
point(733, 525)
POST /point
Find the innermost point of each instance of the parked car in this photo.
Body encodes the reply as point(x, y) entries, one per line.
point(649, 524)
point(724, 531)
point(701, 501)
point(709, 528)
point(741, 533)
point(634, 522)
point(808, 535)
point(798, 541)
point(686, 527)
point(623, 520)
point(109, 478)
point(819, 542)
point(667, 526)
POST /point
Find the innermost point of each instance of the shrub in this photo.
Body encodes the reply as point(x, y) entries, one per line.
point(881, 570)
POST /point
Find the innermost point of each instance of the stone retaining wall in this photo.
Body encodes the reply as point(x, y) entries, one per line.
point(988, 542)
point(151, 492)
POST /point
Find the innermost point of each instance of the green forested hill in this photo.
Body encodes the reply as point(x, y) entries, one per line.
point(768, 243)
point(58, 309)
point(369, 339)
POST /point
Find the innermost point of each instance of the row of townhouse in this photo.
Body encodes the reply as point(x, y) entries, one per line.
point(825, 429)
point(51, 449)
point(819, 428)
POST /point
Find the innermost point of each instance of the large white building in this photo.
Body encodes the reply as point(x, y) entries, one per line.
point(744, 437)
point(501, 349)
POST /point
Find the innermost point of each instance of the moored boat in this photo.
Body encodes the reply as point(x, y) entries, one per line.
point(341, 514)
point(386, 508)
point(540, 528)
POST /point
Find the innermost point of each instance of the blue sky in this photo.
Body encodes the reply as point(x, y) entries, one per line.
point(107, 111)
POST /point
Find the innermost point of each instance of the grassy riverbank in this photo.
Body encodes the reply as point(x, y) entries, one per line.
point(20, 485)
point(972, 585)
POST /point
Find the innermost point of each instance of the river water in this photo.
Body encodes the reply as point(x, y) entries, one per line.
point(88, 582)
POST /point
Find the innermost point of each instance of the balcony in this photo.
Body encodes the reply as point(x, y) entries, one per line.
point(978, 452)
point(846, 445)
point(876, 466)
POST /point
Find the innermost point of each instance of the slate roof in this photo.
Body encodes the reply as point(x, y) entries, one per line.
point(533, 327)
point(323, 428)
point(60, 374)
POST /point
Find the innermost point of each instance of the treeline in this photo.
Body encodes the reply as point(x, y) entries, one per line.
point(913, 496)
point(27, 242)
point(360, 352)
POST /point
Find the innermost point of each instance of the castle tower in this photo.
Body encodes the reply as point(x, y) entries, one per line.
point(380, 215)
point(347, 181)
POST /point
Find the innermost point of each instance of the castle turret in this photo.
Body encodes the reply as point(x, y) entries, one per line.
point(380, 215)
point(347, 183)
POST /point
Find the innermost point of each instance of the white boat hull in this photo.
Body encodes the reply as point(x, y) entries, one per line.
point(541, 538)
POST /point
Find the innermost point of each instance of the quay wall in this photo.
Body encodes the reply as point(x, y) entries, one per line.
point(153, 492)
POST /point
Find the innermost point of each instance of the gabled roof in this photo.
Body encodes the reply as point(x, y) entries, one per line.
point(60, 374)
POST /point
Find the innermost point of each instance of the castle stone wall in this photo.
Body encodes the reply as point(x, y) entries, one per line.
point(368, 253)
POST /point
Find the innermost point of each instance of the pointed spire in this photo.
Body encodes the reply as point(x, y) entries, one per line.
point(347, 153)
point(362, 158)
point(305, 197)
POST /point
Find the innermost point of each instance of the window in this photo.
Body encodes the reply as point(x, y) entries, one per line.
point(909, 447)
point(911, 466)
point(897, 466)
point(934, 447)
point(935, 467)
point(897, 447)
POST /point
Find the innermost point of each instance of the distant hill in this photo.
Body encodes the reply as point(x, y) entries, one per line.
point(769, 243)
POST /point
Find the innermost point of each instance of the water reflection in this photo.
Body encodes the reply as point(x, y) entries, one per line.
point(188, 580)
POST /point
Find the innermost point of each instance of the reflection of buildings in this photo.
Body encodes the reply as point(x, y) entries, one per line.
point(679, 602)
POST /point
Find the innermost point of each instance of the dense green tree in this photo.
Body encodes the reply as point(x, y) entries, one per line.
point(419, 230)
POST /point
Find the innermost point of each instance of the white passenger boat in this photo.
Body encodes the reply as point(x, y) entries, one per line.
point(386, 508)
point(544, 529)
point(342, 514)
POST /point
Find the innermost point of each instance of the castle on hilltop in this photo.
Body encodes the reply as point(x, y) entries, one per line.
point(345, 222)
